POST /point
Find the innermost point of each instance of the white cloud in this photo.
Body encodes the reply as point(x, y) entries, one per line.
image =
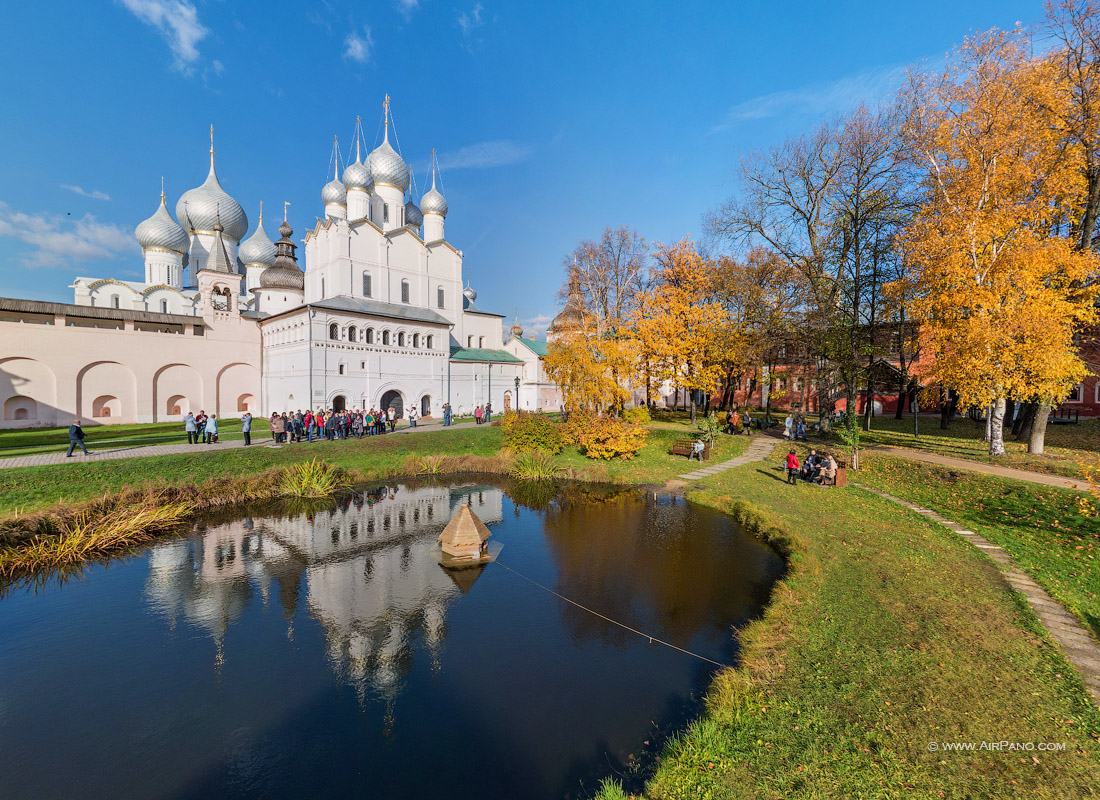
point(58, 241)
point(178, 22)
point(817, 100)
point(358, 48)
point(484, 155)
point(95, 195)
point(470, 22)
point(407, 8)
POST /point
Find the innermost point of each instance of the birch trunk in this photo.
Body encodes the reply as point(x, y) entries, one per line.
point(997, 427)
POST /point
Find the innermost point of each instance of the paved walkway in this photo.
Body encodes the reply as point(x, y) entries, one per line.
point(1075, 641)
point(760, 449)
point(140, 451)
point(978, 466)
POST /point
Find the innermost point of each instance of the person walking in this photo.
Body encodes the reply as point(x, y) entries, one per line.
point(191, 427)
point(800, 426)
point(246, 428)
point(212, 429)
point(76, 438)
point(391, 418)
point(412, 417)
point(477, 415)
point(792, 468)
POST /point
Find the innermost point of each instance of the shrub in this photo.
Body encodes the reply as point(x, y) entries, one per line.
point(313, 479)
point(526, 432)
point(536, 465)
point(607, 437)
point(708, 428)
point(639, 415)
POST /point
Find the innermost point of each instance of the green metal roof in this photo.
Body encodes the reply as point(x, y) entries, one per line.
point(536, 347)
point(481, 354)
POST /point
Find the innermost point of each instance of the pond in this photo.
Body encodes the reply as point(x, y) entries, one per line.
point(327, 653)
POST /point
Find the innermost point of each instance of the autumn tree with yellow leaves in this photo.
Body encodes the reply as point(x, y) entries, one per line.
point(680, 325)
point(997, 282)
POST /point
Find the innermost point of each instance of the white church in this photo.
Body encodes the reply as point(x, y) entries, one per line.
point(228, 322)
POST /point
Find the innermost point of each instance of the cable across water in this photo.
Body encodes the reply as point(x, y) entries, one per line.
point(612, 621)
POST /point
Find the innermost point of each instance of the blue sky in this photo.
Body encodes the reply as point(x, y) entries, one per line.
point(552, 120)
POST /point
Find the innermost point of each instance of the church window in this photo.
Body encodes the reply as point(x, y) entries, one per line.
point(341, 369)
point(385, 212)
point(322, 287)
point(469, 341)
point(428, 343)
point(401, 340)
point(416, 340)
point(370, 335)
point(163, 306)
point(334, 331)
point(481, 341)
point(353, 335)
point(366, 284)
point(404, 291)
point(439, 297)
point(114, 301)
point(385, 337)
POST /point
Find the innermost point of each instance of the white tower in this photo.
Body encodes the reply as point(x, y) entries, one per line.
point(197, 210)
point(257, 253)
point(434, 208)
point(391, 180)
point(164, 247)
point(357, 181)
point(282, 286)
point(334, 195)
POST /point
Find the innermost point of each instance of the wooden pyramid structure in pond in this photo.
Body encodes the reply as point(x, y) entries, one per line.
point(465, 536)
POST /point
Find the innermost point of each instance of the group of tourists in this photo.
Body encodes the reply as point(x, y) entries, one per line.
point(483, 415)
point(817, 469)
point(200, 427)
point(737, 423)
point(794, 427)
point(309, 426)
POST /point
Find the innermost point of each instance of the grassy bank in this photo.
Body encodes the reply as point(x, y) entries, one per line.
point(888, 633)
point(30, 489)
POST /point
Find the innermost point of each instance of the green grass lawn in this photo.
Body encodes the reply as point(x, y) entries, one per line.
point(1068, 447)
point(890, 632)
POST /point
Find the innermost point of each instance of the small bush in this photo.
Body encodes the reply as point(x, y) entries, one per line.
point(525, 432)
point(709, 427)
point(639, 415)
point(536, 465)
point(606, 437)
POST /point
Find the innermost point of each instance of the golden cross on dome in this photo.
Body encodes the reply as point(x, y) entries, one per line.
point(162, 188)
point(261, 212)
point(285, 206)
point(386, 108)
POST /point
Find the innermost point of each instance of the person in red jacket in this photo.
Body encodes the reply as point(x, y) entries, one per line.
point(792, 468)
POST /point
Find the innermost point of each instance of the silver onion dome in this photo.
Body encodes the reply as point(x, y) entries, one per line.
point(334, 192)
point(388, 167)
point(162, 232)
point(433, 203)
point(413, 217)
point(198, 208)
point(469, 294)
point(285, 274)
point(357, 176)
point(257, 249)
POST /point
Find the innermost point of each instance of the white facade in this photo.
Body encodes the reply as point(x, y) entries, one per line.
point(379, 318)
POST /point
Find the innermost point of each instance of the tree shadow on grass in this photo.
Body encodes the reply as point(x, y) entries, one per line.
point(780, 476)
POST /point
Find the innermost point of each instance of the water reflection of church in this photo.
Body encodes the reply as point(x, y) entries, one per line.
point(367, 568)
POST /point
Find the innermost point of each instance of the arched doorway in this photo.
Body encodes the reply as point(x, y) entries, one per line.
point(392, 399)
point(425, 406)
point(507, 401)
point(339, 403)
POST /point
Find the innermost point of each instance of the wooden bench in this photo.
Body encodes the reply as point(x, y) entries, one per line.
point(682, 447)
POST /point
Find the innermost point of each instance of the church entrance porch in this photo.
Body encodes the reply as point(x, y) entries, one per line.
point(392, 399)
point(339, 403)
point(425, 406)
